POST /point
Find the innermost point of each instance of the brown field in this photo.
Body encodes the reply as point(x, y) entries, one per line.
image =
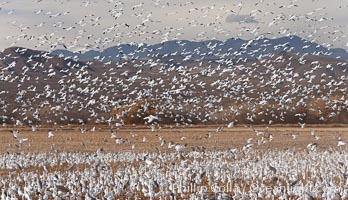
point(70, 138)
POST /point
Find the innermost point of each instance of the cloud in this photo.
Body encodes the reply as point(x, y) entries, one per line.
point(232, 18)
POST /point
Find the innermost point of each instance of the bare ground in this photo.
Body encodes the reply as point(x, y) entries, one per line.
point(70, 138)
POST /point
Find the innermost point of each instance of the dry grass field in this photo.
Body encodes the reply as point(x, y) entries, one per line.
point(70, 138)
point(95, 166)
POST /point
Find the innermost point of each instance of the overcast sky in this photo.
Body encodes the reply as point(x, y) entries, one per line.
point(97, 24)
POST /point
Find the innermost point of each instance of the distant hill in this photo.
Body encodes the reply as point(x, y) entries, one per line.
point(38, 87)
point(236, 49)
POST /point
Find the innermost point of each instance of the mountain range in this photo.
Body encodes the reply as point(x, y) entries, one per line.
point(282, 86)
point(234, 48)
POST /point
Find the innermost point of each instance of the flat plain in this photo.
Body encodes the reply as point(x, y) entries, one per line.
point(137, 162)
point(142, 138)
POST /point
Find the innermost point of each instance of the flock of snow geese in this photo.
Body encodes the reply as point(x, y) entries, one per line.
point(44, 88)
point(230, 174)
point(177, 172)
